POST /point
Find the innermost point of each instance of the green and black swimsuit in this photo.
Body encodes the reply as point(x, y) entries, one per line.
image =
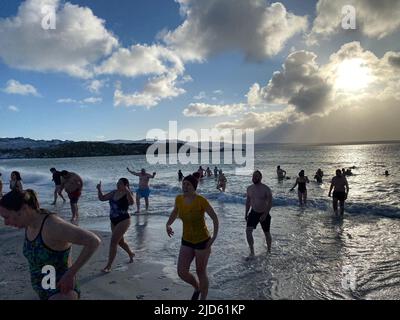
point(38, 256)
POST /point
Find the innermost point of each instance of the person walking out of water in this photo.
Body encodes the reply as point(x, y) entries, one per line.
point(57, 182)
point(215, 172)
point(120, 200)
point(201, 171)
point(48, 240)
point(208, 172)
point(340, 189)
point(16, 181)
point(144, 190)
point(259, 199)
point(221, 181)
point(301, 181)
point(73, 184)
point(319, 175)
point(180, 175)
point(280, 173)
point(196, 241)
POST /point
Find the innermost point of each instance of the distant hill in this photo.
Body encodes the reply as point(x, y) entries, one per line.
point(22, 143)
point(27, 148)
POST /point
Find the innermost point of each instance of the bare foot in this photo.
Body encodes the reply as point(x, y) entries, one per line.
point(131, 258)
point(250, 257)
point(106, 270)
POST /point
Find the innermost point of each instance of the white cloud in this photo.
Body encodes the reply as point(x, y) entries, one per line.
point(262, 120)
point(209, 110)
point(15, 87)
point(251, 26)
point(79, 40)
point(95, 86)
point(90, 100)
point(67, 100)
point(156, 89)
point(13, 108)
point(375, 19)
point(141, 60)
point(218, 91)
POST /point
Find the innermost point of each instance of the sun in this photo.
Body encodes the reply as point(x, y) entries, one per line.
point(352, 75)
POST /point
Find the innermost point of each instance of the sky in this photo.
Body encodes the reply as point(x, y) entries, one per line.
point(294, 71)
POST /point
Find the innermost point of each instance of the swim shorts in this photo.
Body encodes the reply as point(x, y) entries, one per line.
point(143, 193)
point(254, 218)
point(74, 196)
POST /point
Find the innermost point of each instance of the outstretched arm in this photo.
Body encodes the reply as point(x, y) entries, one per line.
point(294, 185)
point(132, 172)
point(101, 196)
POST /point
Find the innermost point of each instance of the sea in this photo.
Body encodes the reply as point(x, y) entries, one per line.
point(315, 255)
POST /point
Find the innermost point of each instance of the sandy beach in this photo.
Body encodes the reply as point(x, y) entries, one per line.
point(137, 281)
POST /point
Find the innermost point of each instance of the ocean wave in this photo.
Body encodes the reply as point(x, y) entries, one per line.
point(285, 201)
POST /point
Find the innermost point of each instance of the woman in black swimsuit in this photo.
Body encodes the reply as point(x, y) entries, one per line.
point(301, 181)
point(120, 200)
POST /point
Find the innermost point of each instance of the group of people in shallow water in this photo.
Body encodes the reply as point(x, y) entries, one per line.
point(339, 186)
point(48, 238)
point(201, 173)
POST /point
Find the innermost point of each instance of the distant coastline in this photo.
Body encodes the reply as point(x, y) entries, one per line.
point(22, 148)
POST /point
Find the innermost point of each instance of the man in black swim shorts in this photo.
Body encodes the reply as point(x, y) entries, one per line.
point(340, 191)
point(259, 199)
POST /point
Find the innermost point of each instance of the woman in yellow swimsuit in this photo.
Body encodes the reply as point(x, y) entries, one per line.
point(196, 241)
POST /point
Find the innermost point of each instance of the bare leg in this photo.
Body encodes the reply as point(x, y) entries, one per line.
point(60, 194)
point(55, 196)
point(305, 197)
point(269, 240)
point(250, 240)
point(341, 208)
point(128, 250)
point(186, 256)
point(201, 270)
point(74, 210)
point(146, 200)
point(335, 205)
point(300, 198)
point(137, 203)
point(118, 232)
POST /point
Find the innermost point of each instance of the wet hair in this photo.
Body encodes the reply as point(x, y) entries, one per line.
point(301, 173)
point(125, 181)
point(52, 169)
point(14, 200)
point(192, 180)
point(258, 171)
point(64, 173)
point(278, 167)
point(17, 175)
point(338, 171)
point(196, 175)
